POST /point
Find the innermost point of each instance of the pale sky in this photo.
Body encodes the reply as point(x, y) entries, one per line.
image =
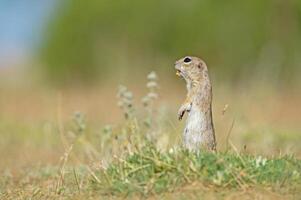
point(21, 25)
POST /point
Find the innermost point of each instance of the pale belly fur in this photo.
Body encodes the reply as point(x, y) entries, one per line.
point(196, 126)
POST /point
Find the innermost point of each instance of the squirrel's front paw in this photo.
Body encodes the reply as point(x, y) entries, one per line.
point(183, 109)
point(181, 113)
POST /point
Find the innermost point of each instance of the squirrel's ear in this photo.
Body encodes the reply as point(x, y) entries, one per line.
point(200, 65)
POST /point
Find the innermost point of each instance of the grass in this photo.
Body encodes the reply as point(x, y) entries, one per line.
point(63, 157)
point(127, 161)
point(150, 173)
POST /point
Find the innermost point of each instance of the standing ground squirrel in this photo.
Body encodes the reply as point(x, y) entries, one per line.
point(199, 131)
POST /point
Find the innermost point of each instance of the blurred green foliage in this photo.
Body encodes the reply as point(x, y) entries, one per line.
point(239, 39)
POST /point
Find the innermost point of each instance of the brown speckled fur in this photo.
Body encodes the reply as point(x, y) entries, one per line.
point(199, 131)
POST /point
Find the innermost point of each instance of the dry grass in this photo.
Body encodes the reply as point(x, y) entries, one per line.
point(36, 130)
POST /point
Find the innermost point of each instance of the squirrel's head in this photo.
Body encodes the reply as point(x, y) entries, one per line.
point(192, 69)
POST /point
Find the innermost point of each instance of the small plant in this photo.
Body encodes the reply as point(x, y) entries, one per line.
point(134, 128)
point(149, 99)
point(79, 122)
point(152, 95)
point(125, 101)
point(105, 136)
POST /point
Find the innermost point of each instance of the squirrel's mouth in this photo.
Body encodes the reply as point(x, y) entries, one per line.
point(179, 73)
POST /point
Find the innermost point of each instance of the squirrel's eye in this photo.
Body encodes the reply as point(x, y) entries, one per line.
point(187, 60)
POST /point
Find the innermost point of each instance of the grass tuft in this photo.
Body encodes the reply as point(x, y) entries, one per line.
point(150, 171)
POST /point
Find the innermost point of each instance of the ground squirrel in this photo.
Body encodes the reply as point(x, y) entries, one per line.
point(199, 131)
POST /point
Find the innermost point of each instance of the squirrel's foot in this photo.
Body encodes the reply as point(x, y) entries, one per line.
point(183, 109)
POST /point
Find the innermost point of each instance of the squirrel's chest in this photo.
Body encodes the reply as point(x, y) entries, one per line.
point(196, 120)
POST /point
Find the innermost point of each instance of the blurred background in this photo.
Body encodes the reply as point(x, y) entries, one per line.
point(58, 57)
point(80, 42)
